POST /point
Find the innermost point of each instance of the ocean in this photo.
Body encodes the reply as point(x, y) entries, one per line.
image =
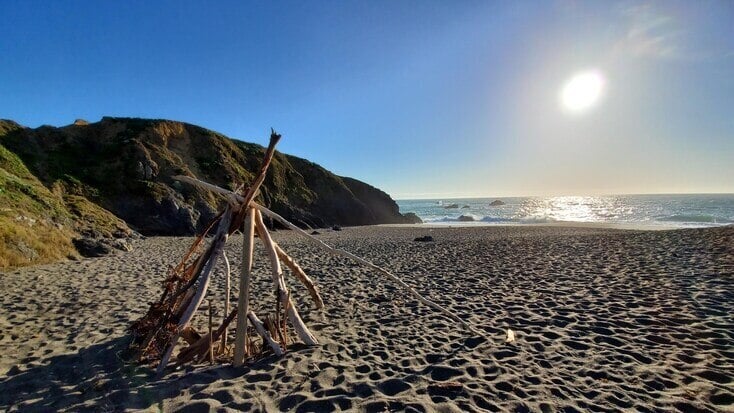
point(662, 211)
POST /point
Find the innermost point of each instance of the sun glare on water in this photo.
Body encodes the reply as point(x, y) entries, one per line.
point(582, 91)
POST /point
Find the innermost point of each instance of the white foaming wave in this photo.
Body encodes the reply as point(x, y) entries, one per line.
point(491, 220)
point(537, 220)
point(448, 218)
point(698, 219)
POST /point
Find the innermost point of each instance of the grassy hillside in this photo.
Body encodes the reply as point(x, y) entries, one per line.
point(35, 226)
point(96, 179)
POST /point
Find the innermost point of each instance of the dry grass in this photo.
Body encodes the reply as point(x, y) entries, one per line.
point(24, 243)
point(88, 215)
point(34, 224)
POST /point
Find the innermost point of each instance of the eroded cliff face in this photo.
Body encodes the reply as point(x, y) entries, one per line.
point(125, 166)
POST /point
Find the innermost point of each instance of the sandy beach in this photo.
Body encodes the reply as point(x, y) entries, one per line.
point(605, 320)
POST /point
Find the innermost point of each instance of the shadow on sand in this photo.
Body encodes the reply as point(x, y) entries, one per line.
point(100, 378)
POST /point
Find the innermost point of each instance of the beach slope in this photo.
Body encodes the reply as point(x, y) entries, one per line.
point(603, 319)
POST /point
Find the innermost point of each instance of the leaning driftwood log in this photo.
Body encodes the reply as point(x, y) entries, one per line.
point(332, 250)
point(302, 276)
point(183, 322)
point(290, 309)
point(248, 236)
point(265, 334)
point(157, 333)
point(226, 297)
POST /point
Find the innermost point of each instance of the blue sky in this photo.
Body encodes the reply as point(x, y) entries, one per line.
point(421, 99)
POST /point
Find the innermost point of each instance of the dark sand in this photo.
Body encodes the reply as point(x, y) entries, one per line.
point(605, 320)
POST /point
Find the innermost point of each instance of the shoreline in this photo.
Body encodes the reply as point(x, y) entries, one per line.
point(559, 224)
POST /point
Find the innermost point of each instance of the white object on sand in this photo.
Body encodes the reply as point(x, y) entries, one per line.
point(510, 336)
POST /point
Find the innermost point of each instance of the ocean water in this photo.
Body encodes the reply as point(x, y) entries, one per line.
point(664, 211)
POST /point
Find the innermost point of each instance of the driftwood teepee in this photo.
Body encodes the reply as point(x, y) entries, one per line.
point(157, 333)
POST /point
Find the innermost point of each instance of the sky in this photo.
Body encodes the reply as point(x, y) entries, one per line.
point(422, 99)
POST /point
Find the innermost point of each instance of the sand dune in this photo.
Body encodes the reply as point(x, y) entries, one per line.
point(604, 320)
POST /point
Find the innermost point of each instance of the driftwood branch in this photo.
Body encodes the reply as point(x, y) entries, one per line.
point(200, 348)
point(217, 245)
point(190, 335)
point(269, 153)
point(211, 333)
point(301, 329)
point(248, 238)
point(254, 188)
point(301, 276)
point(267, 339)
point(189, 275)
point(226, 297)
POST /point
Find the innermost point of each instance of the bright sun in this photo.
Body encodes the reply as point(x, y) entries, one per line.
point(582, 91)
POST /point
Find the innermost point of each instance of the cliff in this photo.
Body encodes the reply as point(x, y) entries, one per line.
point(98, 179)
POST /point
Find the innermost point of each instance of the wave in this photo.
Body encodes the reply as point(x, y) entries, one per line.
point(497, 219)
point(704, 219)
point(537, 220)
point(452, 219)
point(491, 220)
point(475, 218)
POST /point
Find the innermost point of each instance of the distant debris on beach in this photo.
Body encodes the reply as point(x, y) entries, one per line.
point(466, 218)
point(496, 202)
point(425, 238)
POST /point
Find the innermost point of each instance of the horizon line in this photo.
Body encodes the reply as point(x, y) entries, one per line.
point(558, 196)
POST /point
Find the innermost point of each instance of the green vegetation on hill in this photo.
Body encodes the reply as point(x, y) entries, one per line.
point(34, 224)
point(38, 223)
point(101, 177)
